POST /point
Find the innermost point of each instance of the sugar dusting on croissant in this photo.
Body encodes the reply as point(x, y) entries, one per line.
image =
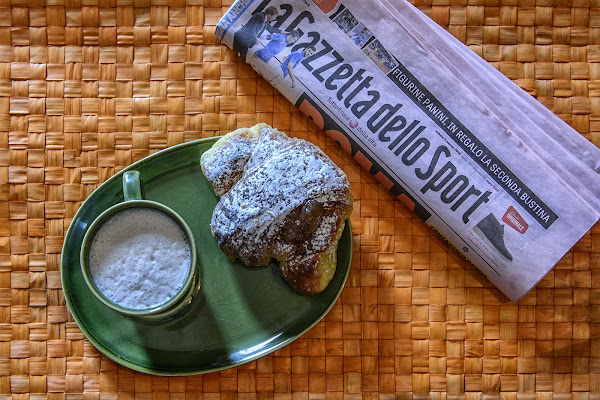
point(281, 197)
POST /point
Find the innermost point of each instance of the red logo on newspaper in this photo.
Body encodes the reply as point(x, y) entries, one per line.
point(514, 220)
point(326, 5)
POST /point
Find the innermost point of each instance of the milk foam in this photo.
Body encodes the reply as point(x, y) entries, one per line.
point(139, 258)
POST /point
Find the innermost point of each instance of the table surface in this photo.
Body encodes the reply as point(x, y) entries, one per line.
point(88, 87)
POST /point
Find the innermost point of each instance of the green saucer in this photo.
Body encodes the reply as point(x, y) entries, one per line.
point(240, 314)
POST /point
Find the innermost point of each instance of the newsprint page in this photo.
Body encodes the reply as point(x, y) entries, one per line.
point(483, 163)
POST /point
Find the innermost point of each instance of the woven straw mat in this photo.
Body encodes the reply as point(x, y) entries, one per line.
point(88, 87)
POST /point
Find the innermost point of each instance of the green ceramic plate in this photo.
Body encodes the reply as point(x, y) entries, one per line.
point(240, 314)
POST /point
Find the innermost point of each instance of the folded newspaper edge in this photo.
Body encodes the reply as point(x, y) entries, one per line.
point(507, 182)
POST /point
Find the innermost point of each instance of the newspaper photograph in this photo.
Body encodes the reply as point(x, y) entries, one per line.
point(507, 182)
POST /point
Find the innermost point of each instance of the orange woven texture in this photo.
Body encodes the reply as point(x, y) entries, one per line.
point(88, 87)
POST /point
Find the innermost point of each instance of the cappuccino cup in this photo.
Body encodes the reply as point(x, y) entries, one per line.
point(139, 257)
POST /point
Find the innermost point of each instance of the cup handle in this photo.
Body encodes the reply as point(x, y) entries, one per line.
point(132, 186)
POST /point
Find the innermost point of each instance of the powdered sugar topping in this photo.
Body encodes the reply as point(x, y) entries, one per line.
point(252, 213)
point(226, 168)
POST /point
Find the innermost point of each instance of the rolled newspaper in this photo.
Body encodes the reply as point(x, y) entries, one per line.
point(483, 163)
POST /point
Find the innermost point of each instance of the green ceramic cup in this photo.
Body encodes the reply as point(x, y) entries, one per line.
point(180, 301)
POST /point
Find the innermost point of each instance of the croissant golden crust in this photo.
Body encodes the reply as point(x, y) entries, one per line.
point(281, 197)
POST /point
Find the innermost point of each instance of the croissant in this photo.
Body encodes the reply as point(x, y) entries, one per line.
point(281, 198)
